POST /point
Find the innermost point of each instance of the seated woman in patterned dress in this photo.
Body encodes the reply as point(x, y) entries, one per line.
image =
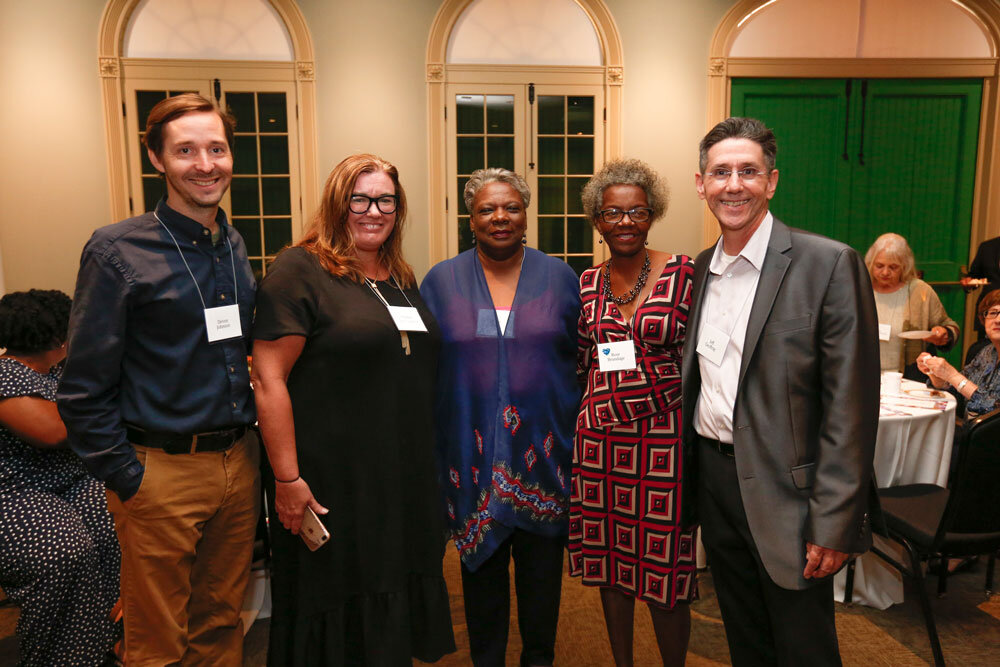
point(979, 381)
point(624, 532)
point(506, 400)
point(59, 556)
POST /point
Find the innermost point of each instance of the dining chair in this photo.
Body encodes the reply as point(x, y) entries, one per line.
point(963, 520)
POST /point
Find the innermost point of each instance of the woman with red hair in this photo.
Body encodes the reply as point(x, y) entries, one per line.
point(345, 353)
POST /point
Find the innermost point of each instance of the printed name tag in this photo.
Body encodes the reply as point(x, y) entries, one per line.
point(712, 343)
point(884, 330)
point(223, 323)
point(407, 318)
point(619, 356)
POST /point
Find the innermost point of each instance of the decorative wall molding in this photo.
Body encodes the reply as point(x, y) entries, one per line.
point(305, 70)
point(435, 72)
point(109, 67)
point(616, 76)
point(717, 67)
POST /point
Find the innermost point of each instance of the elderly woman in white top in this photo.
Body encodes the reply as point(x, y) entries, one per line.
point(905, 303)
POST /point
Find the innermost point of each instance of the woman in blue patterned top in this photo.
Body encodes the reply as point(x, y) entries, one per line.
point(506, 404)
point(979, 381)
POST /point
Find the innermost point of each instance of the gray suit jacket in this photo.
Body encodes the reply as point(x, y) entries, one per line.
point(806, 413)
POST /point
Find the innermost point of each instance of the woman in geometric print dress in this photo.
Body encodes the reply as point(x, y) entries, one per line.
point(59, 555)
point(625, 534)
point(505, 408)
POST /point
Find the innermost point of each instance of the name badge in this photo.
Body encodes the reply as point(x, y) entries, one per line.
point(619, 356)
point(712, 343)
point(407, 318)
point(223, 323)
point(884, 330)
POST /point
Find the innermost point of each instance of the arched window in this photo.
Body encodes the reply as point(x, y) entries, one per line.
point(234, 30)
point(524, 32)
point(244, 55)
point(884, 29)
point(532, 86)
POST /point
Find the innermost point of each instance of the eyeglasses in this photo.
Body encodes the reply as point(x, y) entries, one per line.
point(362, 203)
point(991, 314)
point(613, 216)
point(747, 174)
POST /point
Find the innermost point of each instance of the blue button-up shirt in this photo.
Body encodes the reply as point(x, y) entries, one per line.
point(138, 350)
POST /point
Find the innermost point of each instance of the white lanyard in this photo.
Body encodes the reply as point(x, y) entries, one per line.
point(406, 318)
point(221, 322)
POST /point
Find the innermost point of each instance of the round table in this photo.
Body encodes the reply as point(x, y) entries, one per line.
point(916, 428)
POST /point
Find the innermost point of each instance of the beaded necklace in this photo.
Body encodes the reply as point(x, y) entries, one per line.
point(629, 296)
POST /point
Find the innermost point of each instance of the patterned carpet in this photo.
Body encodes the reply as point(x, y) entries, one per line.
point(969, 626)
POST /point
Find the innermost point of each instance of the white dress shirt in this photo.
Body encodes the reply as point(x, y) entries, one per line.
point(729, 292)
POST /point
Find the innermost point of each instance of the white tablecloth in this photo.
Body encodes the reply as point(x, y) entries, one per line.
point(913, 446)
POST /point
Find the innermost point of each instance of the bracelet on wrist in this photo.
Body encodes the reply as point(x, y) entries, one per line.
point(288, 481)
point(961, 384)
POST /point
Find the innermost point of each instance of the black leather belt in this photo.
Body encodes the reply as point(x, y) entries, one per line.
point(724, 448)
point(186, 443)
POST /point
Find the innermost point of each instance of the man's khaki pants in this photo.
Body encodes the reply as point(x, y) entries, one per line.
point(187, 541)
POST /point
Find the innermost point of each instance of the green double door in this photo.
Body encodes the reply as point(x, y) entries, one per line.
point(861, 157)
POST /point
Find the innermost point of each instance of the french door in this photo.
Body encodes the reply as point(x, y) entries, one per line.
point(553, 135)
point(264, 202)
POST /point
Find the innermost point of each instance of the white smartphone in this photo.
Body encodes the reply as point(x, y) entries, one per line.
point(312, 531)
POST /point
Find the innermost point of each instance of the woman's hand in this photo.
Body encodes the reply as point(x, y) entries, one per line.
point(939, 336)
point(291, 500)
point(940, 372)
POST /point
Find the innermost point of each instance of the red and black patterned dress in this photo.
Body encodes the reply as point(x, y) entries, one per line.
point(627, 465)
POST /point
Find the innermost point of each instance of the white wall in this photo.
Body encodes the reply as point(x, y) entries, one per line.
point(53, 176)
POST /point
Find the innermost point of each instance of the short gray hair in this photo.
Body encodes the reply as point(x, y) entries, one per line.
point(481, 177)
point(739, 128)
point(626, 171)
point(896, 247)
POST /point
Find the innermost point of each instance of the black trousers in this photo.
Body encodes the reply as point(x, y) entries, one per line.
point(765, 623)
point(538, 567)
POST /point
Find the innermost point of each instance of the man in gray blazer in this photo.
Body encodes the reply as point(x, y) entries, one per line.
point(780, 412)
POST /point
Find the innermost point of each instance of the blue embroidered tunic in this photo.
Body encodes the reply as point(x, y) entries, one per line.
point(506, 402)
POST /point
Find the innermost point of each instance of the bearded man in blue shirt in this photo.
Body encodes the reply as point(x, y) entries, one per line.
point(156, 396)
